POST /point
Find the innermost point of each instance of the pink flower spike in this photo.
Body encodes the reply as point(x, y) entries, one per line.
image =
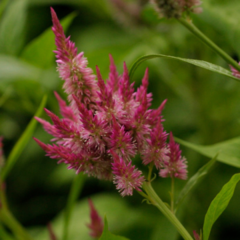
point(65, 110)
point(65, 48)
point(113, 78)
point(121, 141)
point(196, 235)
point(127, 177)
point(156, 150)
point(96, 225)
point(176, 165)
point(235, 72)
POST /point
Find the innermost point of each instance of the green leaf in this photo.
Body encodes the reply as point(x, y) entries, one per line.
point(40, 51)
point(3, 5)
point(76, 189)
point(194, 180)
point(4, 234)
point(106, 235)
point(22, 142)
point(228, 151)
point(13, 69)
point(219, 204)
point(12, 26)
point(198, 63)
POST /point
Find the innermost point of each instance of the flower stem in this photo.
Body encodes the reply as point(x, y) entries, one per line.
point(7, 219)
point(156, 201)
point(172, 195)
point(192, 28)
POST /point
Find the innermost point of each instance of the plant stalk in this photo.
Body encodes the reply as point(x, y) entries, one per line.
point(156, 201)
point(8, 220)
point(192, 28)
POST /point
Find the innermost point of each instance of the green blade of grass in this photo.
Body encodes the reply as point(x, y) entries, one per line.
point(76, 189)
point(198, 63)
point(194, 180)
point(22, 142)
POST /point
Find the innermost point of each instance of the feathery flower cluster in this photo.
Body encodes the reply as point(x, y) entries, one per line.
point(235, 72)
point(176, 8)
point(107, 124)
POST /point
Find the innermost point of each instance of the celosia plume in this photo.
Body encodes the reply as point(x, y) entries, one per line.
point(175, 166)
point(106, 123)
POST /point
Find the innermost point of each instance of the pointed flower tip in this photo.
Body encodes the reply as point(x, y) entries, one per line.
point(96, 225)
point(196, 235)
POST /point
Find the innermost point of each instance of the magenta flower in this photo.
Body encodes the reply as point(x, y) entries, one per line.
point(176, 165)
point(96, 225)
point(106, 123)
point(235, 72)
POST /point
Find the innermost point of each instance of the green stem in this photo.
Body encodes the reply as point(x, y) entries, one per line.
point(76, 189)
point(7, 219)
point(3, 5)
point(192, 28)
point(156, 201)
point(172, 195)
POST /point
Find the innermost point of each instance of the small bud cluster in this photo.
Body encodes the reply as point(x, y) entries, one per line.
point(176, 8)
point(107, 124)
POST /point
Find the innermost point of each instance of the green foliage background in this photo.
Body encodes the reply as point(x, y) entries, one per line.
point(203, 108)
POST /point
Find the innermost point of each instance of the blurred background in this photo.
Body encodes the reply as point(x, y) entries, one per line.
point(203, 108)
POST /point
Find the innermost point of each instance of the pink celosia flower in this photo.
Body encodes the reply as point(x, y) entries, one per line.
point(196, 235)
point(96, 225)
point(175, 165)
point(105, 124)
point(176, 8)
point(235, 72)
point(126, 176)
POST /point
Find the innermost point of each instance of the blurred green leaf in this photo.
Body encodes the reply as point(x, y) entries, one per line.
point(22, 142)
point(4, 234)
point(227, 152)
point(3, 5)
point(224, 17)
point(219, 204)
point(198, 63)
point(40, 51)
point(13, 69)
point(194, 180)
point(106, 235)
point(76, 189)
point(11, 27)
point(121, 217)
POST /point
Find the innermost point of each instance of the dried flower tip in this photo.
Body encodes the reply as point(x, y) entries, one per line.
point(96, 225)
point(235, 72)
point(176, 8)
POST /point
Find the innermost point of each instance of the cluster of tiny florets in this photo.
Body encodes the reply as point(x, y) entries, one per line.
point(176, 8)
point(106, 124)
